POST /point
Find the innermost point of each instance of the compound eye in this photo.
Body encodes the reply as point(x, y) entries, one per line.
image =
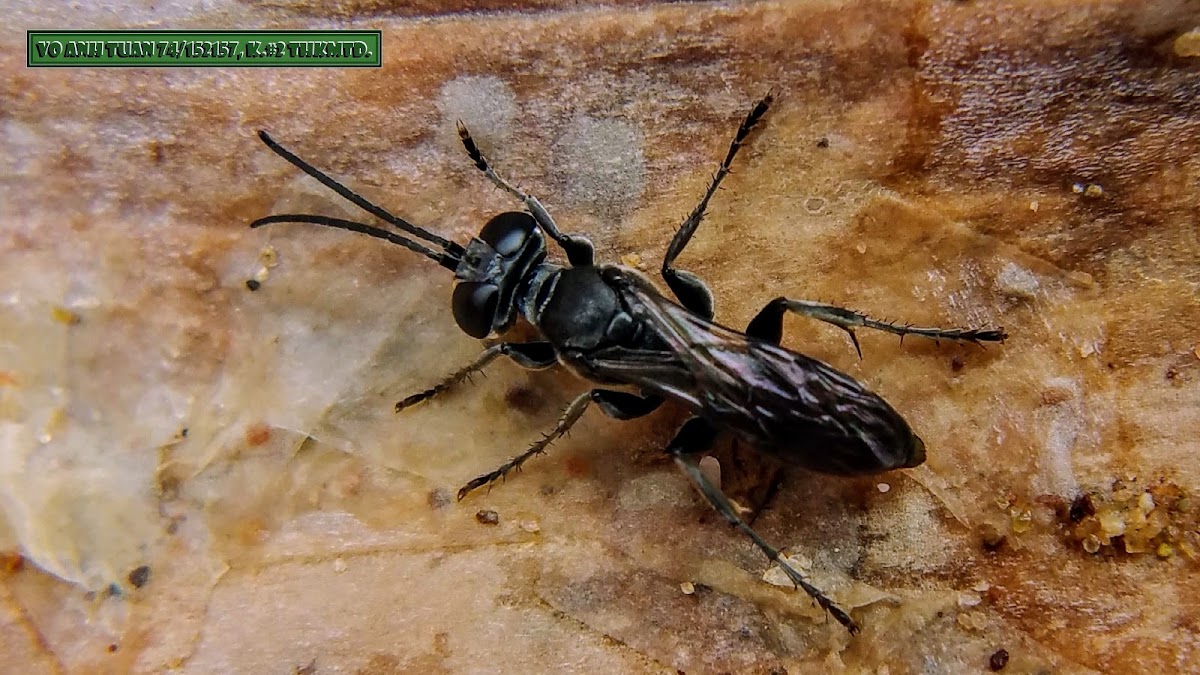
point(507, 232)
point(474, 306)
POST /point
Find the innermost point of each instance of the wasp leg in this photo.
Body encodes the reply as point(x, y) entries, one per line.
point(616, 404)
point(693, 439)
point(690, 290)
point(621, 405)
point(768, 325)
point(579, 249)
point(531, 355)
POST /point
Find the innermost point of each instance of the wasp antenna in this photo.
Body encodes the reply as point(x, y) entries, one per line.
point(445, 259)
point(358, 200)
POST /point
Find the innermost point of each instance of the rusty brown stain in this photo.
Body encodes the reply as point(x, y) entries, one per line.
point(257, 434)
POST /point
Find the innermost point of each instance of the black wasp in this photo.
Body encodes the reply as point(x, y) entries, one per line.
point(609, 324)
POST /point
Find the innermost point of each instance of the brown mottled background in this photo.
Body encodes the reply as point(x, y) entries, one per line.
point(1028, 164)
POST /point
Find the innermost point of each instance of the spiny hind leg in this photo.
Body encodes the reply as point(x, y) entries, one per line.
point(693, 438)
point(616, 404)
point(768, 325)
point(531, 355)
point(579, 249)
point(687, 287)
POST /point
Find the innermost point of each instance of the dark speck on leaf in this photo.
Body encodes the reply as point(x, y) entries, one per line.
point(140, 576)
point(524, 399)
point(1081, 507)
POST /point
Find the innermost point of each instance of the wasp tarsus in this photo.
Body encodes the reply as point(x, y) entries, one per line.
point(612, 326)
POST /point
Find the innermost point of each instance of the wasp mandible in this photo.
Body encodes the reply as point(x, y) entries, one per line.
point(612, 326)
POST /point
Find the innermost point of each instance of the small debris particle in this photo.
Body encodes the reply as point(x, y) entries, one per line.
point(487, 517)
point(11, 562)
point(1021, 519)
point(1093, 190)
point(1055, 503)
point(1091, 543)
point(1081, 507)
point(883, 488)
point(65, 316)
point(309, 668)
point(1033, 206)
point(1077, 188)
point(1005, 499)
point(631, 260)
point(1164, 550)
point(1112, 523)
point(1196, 352)
point(531, 526)
point(687, 587)
point(156, 151)
point(957, 363)
point(974, 620)
point(1188, 44)
point(1056, 393)
point(438, 499)
point(258, 434)
point(1018, 282)
point(1146, 502)
point(969, 600)
point(253, 284)
point(861, 248)
point(112, 647)
point(981, 587)
point(814, 205)
point(998, 660)
point(992, 538)
point(268, 256)
point(1081, 278)
point(339, 565)
point(140, 576)
point(1188, 549)
point(822, 142)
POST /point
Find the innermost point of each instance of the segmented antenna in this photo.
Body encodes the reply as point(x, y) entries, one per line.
point(446, 260)
point(452, 251)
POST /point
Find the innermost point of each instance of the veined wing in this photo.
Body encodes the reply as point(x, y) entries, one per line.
point(790, 404)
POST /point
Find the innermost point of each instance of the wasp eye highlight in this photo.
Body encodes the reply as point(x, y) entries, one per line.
point(507, 232)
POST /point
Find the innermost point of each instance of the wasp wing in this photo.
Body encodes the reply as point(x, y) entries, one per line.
point(790, 405)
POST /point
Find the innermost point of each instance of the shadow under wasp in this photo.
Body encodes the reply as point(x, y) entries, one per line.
point(610, 325)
